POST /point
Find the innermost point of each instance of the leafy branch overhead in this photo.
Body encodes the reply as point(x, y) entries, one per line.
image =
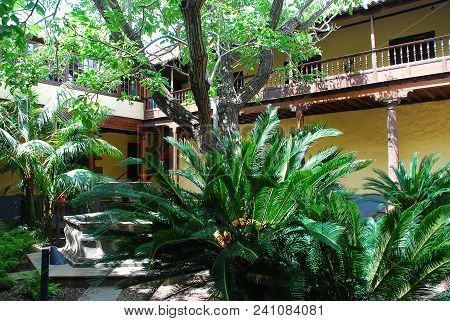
point(203, 42)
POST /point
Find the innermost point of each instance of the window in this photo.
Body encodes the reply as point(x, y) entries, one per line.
point(75, 69)
point(150, 104)
point(129, 86)
point(412, 52)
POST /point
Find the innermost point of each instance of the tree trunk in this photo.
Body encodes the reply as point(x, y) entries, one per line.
point(198, 77)
point(228, 118)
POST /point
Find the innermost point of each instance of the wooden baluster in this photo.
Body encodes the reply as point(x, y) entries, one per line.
point(395, 56)
point(414, 53)
point(442, 48)
point(420, 52)
point(448, 45)
point(407, 54)
point(435, 47)
point(427, 46)
point(327, 67)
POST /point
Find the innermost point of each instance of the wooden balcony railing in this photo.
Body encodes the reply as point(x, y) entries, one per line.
point(391, 57)
point(362, 63)
point(75, 68)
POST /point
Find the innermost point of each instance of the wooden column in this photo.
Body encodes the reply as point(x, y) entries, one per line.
point(91, 164)
point(143, 142)
point(174, 151)
point(392, 133)
point(300, 117)
point(373, 45)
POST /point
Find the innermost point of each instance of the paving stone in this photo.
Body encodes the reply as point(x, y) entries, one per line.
point(192, 287)
point(101, 293)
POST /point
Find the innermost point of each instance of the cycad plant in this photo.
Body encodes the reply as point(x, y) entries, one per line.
point(244, 214)
point(422, 183)
point(406, 252)
point(42, 145)
point(402, 255)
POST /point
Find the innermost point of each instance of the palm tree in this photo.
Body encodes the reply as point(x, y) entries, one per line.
point(42, 145)
point(240, 220)
point(422, 183)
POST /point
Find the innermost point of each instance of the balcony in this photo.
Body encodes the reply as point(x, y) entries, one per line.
point(373, 67)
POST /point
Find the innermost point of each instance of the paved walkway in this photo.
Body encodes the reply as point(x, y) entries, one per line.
point(101, 293)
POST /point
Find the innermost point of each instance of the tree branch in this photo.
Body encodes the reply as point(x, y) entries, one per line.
point(265, 61)
point(170, 106)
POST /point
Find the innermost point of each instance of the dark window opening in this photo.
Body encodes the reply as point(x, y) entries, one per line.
point(413, 52)
point(132, 170)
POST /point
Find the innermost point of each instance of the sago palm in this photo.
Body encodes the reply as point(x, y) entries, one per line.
point(41, 145)
point(402, 255)
point(406, 252)
point(422, 183)
point(240, 218)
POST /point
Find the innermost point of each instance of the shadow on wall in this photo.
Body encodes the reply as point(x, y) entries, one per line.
point(10, 209)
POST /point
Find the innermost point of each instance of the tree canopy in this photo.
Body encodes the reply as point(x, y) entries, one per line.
point(204, 41)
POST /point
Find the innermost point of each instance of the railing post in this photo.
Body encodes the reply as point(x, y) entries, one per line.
point(373, 45)
point(173, 151)
point(143, 141)
point(45, 265)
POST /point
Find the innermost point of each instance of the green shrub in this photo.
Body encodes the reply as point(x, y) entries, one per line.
point(422, 183)
point(14, 245)
point(6, 282)
point(30, 286)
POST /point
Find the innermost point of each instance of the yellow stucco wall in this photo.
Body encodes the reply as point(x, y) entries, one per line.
point(110, 165)
point(357, 38)
point(423, 128)
point(6, 180)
